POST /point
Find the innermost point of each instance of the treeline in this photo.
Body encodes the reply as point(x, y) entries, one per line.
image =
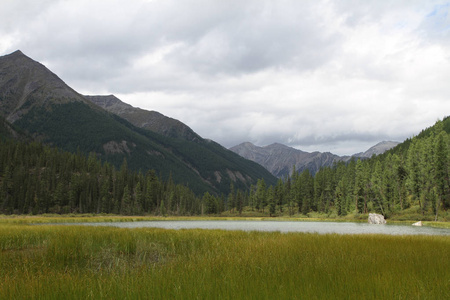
point(413, 175)
point(37, 179)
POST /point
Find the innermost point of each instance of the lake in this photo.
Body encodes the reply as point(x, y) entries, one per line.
point(283, 226)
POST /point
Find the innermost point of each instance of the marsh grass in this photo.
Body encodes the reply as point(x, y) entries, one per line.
point(80, 262)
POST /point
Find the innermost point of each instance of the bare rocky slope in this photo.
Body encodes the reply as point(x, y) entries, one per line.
point(378, 149)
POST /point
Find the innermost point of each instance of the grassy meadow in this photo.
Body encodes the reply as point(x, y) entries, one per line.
point(81, 262)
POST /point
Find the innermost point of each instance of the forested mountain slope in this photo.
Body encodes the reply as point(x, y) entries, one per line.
point(186, 142)
point(37, 102)
point(408, 181)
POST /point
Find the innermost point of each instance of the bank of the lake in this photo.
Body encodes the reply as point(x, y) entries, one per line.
point(85, 262)
point(97, 218)
point(282, 226)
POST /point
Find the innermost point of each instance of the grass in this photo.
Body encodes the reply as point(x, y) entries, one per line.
point(79, 262)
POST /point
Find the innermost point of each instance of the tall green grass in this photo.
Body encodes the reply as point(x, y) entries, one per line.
point(81, 262)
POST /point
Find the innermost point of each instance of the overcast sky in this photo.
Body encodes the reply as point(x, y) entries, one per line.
point(336, 76)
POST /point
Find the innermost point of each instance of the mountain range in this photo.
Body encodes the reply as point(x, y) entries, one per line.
point(35, 104)
point(280, 159)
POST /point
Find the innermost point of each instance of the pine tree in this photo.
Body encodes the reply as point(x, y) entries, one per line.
point(339, 195)
point(400, 177)
point(125, 207)
point(279, 195)
point(378, 186)
point(359, 190)
point(231, 198)
point(261, 194)
point(138, 199)
point(162, 208)
point(413, 180)
point(271, 201)
point(440, 170)
point(306, 191)
point(210, 203)
point(239, 201)
point(151, 192)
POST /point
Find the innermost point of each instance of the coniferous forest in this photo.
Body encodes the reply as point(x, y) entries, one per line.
point(411, 179)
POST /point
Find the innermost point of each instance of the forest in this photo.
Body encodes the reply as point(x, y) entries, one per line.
point(410, 180)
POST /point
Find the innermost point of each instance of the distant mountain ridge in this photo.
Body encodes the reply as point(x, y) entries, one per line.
point(378, 149)
point(38, 104)
point(280, 159)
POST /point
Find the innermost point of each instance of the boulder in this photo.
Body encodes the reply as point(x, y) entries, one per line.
point(376, 219)
point(417, 223)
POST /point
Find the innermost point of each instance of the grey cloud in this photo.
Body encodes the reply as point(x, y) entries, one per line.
point(229, 37)
point(257, 70)
point(288, 36)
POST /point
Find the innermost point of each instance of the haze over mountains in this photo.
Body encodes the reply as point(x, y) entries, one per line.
point(280, 159)
point(36, 104)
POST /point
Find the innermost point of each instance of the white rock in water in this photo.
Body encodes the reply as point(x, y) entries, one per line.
point(376, 219)
point(417, 223)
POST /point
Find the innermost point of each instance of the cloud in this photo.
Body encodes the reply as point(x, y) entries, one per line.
point(319, 75)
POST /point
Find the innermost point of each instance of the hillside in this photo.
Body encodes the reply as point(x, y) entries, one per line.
point(37, 102)
point(151, 120)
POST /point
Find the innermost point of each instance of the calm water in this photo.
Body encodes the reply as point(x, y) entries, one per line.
point(284, 226)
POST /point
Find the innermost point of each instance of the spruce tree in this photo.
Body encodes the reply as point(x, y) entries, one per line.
point(125, 207)
point(440, 171)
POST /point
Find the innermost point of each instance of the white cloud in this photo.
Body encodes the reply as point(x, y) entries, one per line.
point(321, 75)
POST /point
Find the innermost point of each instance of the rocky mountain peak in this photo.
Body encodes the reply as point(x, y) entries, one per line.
point(17, 54)
point(26, 83)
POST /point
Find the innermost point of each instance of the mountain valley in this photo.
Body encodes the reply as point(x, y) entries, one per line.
point(37, 103)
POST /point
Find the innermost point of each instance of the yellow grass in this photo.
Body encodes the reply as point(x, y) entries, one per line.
point(79, 262)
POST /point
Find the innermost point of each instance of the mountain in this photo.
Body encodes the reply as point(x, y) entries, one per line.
point(25, 84)
point(151, 120)
point(35, 101)
point(280, 159)
point(188, 144)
